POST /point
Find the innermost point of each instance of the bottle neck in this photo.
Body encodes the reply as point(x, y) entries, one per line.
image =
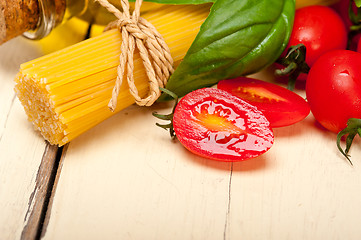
point(54, 12)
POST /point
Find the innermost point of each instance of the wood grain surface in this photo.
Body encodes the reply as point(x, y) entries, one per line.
point(126, 179)
point(26, 160)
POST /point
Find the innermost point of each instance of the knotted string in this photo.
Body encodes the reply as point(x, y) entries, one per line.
point(155, 54)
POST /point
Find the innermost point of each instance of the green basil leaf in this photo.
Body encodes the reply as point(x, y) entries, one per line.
point(239, 37)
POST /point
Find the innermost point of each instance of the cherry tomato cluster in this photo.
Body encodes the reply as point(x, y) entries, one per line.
point(333, 82)
point(234, 121)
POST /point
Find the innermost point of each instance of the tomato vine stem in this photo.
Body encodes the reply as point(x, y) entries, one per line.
point(353, 128)
point(294, 63)
point(354, 16)
point(167, 117)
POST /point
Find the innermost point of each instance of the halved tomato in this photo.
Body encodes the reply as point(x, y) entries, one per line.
point(281, 106)
point(215, 124)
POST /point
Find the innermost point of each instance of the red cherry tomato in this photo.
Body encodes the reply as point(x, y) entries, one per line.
point(320, 29)
point(281, 106)
point(333, 88)
point(215, 124)
point(359, 46)
point(342, 8)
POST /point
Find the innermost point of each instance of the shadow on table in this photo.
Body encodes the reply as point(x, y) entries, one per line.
point(16, 52)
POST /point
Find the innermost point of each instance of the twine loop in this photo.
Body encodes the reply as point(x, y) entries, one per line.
point(131, 27)
point(155, 54)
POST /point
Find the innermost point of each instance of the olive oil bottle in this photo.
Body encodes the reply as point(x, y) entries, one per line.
point(35, 19)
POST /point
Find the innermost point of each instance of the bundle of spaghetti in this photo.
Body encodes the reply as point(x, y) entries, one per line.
point(66, 93)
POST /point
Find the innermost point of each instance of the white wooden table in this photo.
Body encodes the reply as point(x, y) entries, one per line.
point(125, 179)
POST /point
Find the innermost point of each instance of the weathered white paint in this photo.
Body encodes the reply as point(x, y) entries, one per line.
point(137, 183)
point(125, 179)
point(26, 160)
point(21, 150)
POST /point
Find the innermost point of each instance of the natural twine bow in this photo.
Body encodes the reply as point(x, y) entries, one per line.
point(158, 62)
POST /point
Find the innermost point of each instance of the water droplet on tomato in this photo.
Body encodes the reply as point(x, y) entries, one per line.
point(345, 73)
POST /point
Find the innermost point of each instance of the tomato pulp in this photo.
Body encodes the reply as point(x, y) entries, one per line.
point(333, 88)
point(215, 124)
point(281, 106)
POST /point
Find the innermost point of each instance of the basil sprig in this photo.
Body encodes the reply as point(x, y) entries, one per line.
point(239, 37)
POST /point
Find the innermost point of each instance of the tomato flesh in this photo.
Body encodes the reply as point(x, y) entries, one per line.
point(281, 106)
point(333, 89)
point(214, 124)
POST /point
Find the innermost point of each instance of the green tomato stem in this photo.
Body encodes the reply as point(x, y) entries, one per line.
point(294, 63)
point(169, 117)
point(352, 129)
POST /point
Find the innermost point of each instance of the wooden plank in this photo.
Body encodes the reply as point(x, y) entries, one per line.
point(39, 199)
point(125, 179)
point(23, 174)
point(27, 162)
point(303, 189)
point(61, 155)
